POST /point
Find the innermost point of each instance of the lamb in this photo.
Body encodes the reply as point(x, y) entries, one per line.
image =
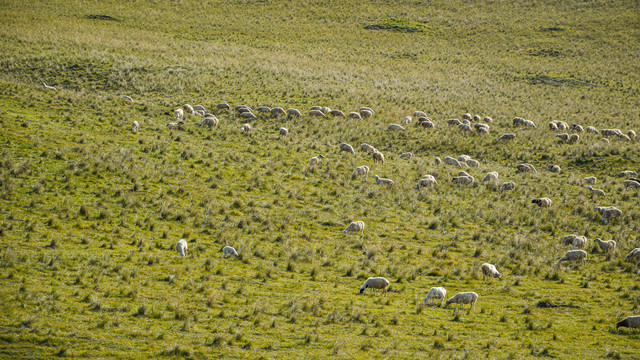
point(245, 128)
point(248, 115)
point(210, 121)
point(492, 176)
point(278, 111)
point(590, 180)
point(473, 163)
point(630, 322)
point(395, 127)
point(462, 298)
point(573, 255)
point(315, 160)
point(406, 155)
point(554, 168)
point(381, 181)
point(429, 182)
point(355, 115)
point(453, 122)
point(606, 245)
point(335, 113)
point(229, 251)
point(573, 138)
point(608, 213)
point(317, 113)
point(542, 202)
point(435, 293)
point(507, 186)
point(489, 270)
point(631, 183)
point(378, 157)
point(181, 247)
point(347, 148)
point(356, 226)
point(126, 99)
point(187, 108)
point(374, 283)
point(178, 114)
point(134, 126)
point(407, 120)
point(594, 191)
point(223, 106)
point(526, 168)
point(283, 132)
point(366, 113)
point(463, 180)
point(507, 137)
point(360, 170)
point(451, 161)
point(633, 254)
point(367, 148)
point(291, 113)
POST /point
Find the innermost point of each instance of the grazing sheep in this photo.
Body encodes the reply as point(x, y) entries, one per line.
point(356, 226)
point(178, 114)
point(245, 128)
point(134, 126)
point(367, 109)
point(606, 245)
point(291, 113)
point(464, 158)
point(435, 293)
point(378, 157)
point(507, 137)
point(624, 137)
point(627, 173)
point(462, 298)
point(542, 202)
point(47, 87)
point(395, 127)
point(576, 128)
point(507, 186)
point(592, 130)
point(407, 120)
point(462, 180)
point(365, 113)
point(374, 283)
point(181, 247)
point(317, 113)
point(553, 126)
point(367, 148)
point(451, 161)
point(564, 137)
point(336, 113)
point(574, 240)
point(242, 108)
point(610, 132)
point(315, 108)
point(573, 138)
point(229, 251)
point(360, 170)
point(315, 160)
point(478, 126)
point(406, 155)
point(529, 123)
point(278, 111)
point(198, 113)
point(381, 181)
point(473, 163)
point(175, 125)
point(467, 117)
point(199, 108)
point(223, 106)
point(264, 110)
point(463, 173)
point(438, 161)
point(126, 99)
point(428, 181)
point(454, 122)
point(283, 132)
point(573, 255)
point(426, 124)
point(554, 168)
point(594, 191)
point(633, 254)
point(590, 180)
point(347, 148)
point(476, 118)
point(630, 322)
point(608, 213)
point(487, 119)
point(419, 114)
point(489, 270)
point(355, 115)
point(526, 168)
point(210, 121)
point(248, 115)
point(631, 134)
point(518, 121)
point(492, 176)
point(326, 110)
point(465, 127)
point(631, 183)
point(187, 108)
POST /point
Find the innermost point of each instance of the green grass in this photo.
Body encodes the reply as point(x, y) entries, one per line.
point(90, 213)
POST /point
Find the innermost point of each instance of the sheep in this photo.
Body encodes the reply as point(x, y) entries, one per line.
point(507, 137)
point(178, 114)
point(283, 132)
point(47, 87)
point(277, 111)
point(487, 119)
point(467, 117)
point(367, 109)
point(241, 108)
point(462, 298)
point(554, 168)
point(464, 158)
point(366, 113)
point(435, 293)
point(529, 123)
point(608, 213)
point(553, 126)
point(625, 137)
point(315, 160)
point(264, 110)
point(438, 161)
point(367, 148)
point(426, 124)
point(378, 157)
point(384, 181)
point(319, 108)
point(479, 126)
point(229, 251)
point(451, 161)
point(563, 137)
point(610, 132)
point(406, 120)
point(360, 170)
point(210, 121)
point(199, 113)
point(463, 173)
point(630, 322)
point(419, 114)
point(507, 186)
point(356, 226)
point(317, 113)
point(572, 255)
point(395, 127)
point(181, 247)
point(200, 108)
point(175, 125)
point(606, 245)
point(518, 121)
point(526, 168)
point(631, 183)
point(126, 99)
point(627, 173)
point(134, 126)
point(374, 283)
point(406, 155)
point(542, 202)
point(489, 270)
point(429, 182)
point(336, 113)
point(248, 115)
point(465, 127)
point(453, 122)
point(633, 254)
point(573, 138)
point(574, 240)
point(347, 148)
point(595, 191)
point(223, 106)
point(476, 118)
point(245, 128)
point(463, 180)
point(592, 130)
point(355, 115)
point(492, 176)
point(631, 134)
point(187, 109)
point(576, 128)
point(590, 180)
point(291, 113)
point(326, 110)
point(473, 163)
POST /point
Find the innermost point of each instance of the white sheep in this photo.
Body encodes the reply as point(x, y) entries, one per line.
point(181, 247)
point(627, 173)
point(492, 176)
point(199, 108)
point(378, 157)
point(633, 255)
point(573, 255)
point(336, 113)
point(630, 322)
point(283, 132)
point(347, 148)
point(507, 137)
point(291, 113)
point(518, 121)
point(356, 226)
point(526, 168)
point(465, 127)
point(605, 140)
point(428, 181)
point(479, 126)
point(608, 213)
point(467, 117)
point(319, 108)
point(406, 155)
point(223, 106)
point(187, 109)
point(576, 128)
point(473, 163)
point(134, 126)
point(462, 298)
point(487, 119)
point(529, 123)
point(454, 122)
point(573, 138)
point(247, 115)
point(326, 110)
point(438, 161)
point(199, 113)
point(367, 148)
point(355, 115)
point(367, 109)
point(383, 181)
point(624, 137)
point(554, 168)
point(178, 114)
point(489, 270)
point(592, 130)
point(462, 180)
point(463, 173)
point(564, 137)
point(317, 113)
point(451, 161)
point(574, 240)
point(245, 128)
point(631, 134)
point(631, 183)
point(278, 111)
point(435, 293)
point(595, 191)
point(542, 202)
point(316, 160)
point(407, 120)
point(426, 124)
point(229, 251)
point(464, 158)
point(590, 180)
point(419, 114)
point(553, 126)
point(264, 110)
point(175, 125)
point(562, 125)
point(606, 245)
point(374, 283)
point(210, 121)
point(510, 185)
point(359, 171)
point(366, 113)
point(395, 127)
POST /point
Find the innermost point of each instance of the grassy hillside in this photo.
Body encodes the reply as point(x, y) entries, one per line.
point(91, 212)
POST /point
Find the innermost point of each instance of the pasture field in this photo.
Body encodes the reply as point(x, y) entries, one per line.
point(90, 212)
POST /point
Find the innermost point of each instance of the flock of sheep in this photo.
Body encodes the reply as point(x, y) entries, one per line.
point(608, 213)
